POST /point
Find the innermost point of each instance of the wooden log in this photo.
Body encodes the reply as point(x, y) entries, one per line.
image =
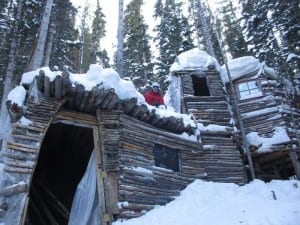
point(144, 113)
point(100, 97)
point(19, 164)
point(46, 86)
point(22, 148)
point(84, 101)
point(109, 97)
point(18, 170)
point(91, 99)
point(129, 104)
point(66, 83)
point(71, 95)
point(40, 81)
point(14, 110)
point(16, 189)
point(79, 91)
point(58, 84)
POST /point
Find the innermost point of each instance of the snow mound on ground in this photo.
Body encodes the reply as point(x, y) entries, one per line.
point(209, 203)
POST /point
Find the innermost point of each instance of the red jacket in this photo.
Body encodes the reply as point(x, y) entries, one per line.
point(154, 98)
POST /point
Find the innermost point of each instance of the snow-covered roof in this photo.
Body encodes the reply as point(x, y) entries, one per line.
point(192, 59)
point(241, 67)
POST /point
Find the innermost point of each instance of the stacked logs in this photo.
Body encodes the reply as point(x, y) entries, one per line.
point(88, 101)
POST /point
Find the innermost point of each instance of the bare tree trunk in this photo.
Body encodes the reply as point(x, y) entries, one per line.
point(8, 82)
point(36, 60)
point(120, 39)
point(49, 46)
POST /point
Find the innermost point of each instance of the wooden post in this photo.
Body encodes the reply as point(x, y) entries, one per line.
point(296, 163)
point(98, 145)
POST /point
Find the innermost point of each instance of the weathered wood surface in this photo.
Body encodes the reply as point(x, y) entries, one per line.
point(262, 115)
point(89, 101)
point(141, 184)
point(16, 189)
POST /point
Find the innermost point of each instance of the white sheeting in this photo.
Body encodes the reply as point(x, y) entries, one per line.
point(85, 207)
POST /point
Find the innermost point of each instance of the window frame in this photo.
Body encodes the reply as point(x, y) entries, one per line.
point(166, 150)
point(257, 94)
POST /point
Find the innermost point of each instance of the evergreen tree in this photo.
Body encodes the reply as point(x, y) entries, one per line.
point(206, 29)
point(98, 32)
point(137, 55)
point(231, 29)
point(65, 49)
point(174, 36)
point(260, 32)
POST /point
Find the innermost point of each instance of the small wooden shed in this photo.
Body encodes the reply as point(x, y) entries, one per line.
point(142, 158)
point(268, 115)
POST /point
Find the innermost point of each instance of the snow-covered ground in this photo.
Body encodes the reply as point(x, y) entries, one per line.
point(209, 203)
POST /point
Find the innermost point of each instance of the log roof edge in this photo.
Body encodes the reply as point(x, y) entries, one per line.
point(88, 101)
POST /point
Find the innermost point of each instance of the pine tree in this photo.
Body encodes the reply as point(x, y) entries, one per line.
point(206, 27)
point(260, 32)
point(137, 55)
point(65, 49)
point(231, 29)
point(98, 32)
point(174, 37)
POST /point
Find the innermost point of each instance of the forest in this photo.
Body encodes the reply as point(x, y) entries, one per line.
point(36, 34)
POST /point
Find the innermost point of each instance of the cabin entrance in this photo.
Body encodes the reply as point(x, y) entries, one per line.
point(62, 162)
point(200, 86)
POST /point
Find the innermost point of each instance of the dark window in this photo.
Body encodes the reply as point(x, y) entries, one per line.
point(200, 86)
point(166, 158)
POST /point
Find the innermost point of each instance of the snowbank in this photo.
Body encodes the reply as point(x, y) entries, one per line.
point(209, 203)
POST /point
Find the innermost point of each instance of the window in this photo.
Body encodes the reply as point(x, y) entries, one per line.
point(166, 158)
point(249, 89)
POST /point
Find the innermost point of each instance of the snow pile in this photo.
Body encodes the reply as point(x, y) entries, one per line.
point(193, 59)
point(209, 203)
point(102, 78)
point(263, 144)
point(17, 95)
point(240, 67)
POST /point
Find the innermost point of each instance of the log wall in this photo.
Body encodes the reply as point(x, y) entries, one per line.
point(128, 150)
point(262, 115)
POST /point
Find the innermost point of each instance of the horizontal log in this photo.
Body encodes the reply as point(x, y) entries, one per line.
point(15, 189)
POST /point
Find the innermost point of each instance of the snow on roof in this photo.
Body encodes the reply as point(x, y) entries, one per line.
point(279, 136)
point(240, 67)
point(194, 58)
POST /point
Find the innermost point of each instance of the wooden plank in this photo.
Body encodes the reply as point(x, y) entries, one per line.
point(111, 188)
point(75, 117)
point(16, 189)
point(98, 148)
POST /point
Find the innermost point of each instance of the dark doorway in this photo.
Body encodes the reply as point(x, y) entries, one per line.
point(200, 86)
point(63, 158)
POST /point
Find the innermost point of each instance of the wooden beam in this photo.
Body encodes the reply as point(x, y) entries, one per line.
point(98, 147)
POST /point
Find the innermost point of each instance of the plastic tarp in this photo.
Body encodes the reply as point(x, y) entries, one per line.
point(85, 206)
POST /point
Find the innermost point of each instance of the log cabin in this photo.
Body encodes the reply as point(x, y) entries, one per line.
point(264, 100)
point(142, 158)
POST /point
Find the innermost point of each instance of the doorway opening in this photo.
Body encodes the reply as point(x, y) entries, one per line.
point(63, 159)
point(200, 86)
